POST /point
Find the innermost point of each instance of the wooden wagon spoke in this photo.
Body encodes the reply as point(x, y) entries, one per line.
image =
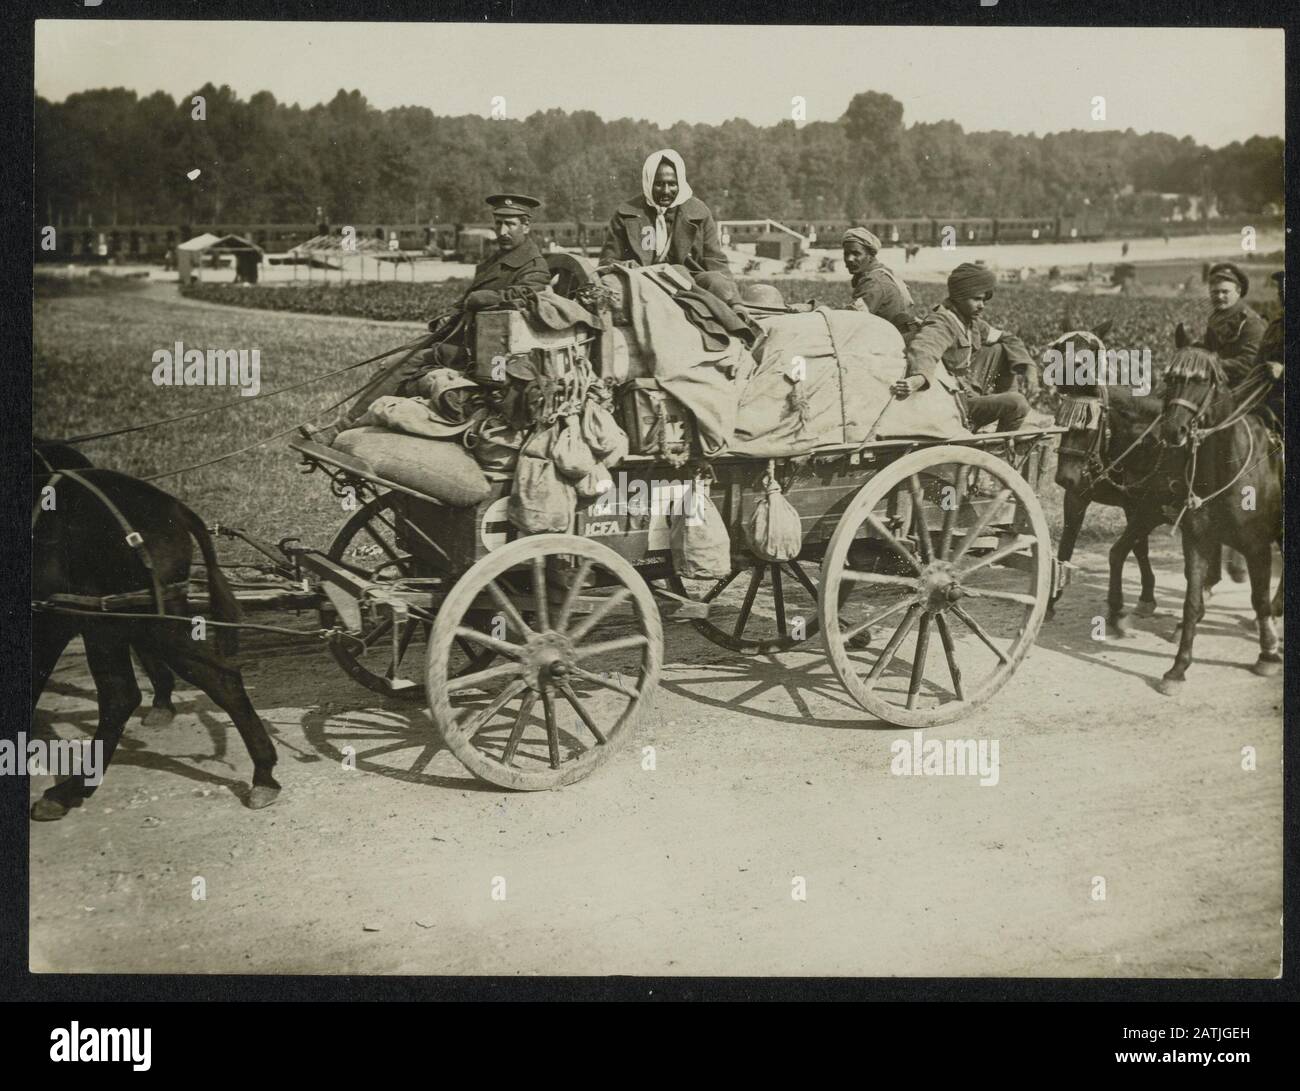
point(976, 628)
point(478, 719)
point(918, 660)
point(950, 652)
point(802, 577)
point(583, 714)
point(870, 623)
point(981, 524)
point(778, 599)
point(517, 731)
point(919, 528)
point(576, 585)
point(879, 577)
point(601, 680)
point(503, 647)
point(1018, 545)
point(893, 543)
point(620, 596)
point(750, 592)
point(721, 586)
point(900, 634)
point(1022, 597)
point(539, 593)
point(623, 643)
point(381, 630)
point(508, 608)
point(950, 516)
point(552, 728)
point(469, 681)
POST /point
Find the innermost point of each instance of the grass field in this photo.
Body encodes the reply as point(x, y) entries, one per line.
point(93, 366)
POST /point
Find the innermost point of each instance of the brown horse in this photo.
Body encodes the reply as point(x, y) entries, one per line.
point(1233, 493)
point(80, 551)
point(1111, 455)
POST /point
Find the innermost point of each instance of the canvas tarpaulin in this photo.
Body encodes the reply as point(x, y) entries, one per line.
point(823, 377)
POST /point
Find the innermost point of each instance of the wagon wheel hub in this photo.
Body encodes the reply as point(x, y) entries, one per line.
point(548, 657)
point(938, 586)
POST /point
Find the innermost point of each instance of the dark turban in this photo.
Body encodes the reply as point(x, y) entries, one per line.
point(969, 281)
point(1225, 270)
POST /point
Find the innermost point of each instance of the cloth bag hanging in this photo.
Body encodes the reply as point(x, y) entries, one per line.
point(541, 502)
point(775, 531)
point(701, 546)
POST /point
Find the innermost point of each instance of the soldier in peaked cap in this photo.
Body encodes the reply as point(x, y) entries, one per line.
point(1234, 331)
point(958, 349)
point(517, 268)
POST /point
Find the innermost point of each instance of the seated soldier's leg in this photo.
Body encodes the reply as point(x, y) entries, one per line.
point(1008, 410)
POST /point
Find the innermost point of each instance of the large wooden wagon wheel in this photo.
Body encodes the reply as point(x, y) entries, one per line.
point(369, 544)
point(778, 610)
point(973, 575)
point(578, 662)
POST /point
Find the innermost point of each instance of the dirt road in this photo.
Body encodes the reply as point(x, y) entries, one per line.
point(764, 775)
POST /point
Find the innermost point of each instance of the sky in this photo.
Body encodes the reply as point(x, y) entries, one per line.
point(1215, 85)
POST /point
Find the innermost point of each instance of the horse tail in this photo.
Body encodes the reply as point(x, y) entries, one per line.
point(221, 599)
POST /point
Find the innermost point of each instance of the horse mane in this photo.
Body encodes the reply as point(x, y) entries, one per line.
point(1195, 365)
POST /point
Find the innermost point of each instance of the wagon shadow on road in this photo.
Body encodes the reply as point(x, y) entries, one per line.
point(747, 684)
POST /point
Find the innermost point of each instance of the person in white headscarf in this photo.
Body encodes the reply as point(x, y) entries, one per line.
point(668, 223)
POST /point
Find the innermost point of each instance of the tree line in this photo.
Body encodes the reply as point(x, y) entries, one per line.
point(110, 156)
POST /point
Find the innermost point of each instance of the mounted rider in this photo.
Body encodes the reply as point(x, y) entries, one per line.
point(1233, 331)
point(957, 348)
point(1271, 352)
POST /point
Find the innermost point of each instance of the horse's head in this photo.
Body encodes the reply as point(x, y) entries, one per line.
point(1082, 410)
point(1194, 394)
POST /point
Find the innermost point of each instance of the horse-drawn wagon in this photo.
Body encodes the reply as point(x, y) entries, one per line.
point(538, 654)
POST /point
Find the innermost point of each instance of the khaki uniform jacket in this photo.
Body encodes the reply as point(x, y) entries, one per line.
point(944, 347)
point(875, 290)
point(1234, 336)
point(522, 267)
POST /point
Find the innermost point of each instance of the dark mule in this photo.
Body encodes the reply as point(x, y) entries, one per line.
point(59, 456)
point(1234, 497)
point(79, 548)
point(1111, 455)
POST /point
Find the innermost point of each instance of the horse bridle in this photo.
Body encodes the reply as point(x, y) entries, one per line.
point(1096, 469)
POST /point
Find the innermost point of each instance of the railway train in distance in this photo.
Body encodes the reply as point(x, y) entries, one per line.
point(473, 241)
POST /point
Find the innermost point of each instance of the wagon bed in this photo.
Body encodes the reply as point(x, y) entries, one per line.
point(904, 540)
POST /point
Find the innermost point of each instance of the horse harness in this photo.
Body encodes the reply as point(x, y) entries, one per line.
point(108, 603)
point(1197, 434)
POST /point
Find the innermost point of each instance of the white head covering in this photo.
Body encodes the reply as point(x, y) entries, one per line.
point(648, 171)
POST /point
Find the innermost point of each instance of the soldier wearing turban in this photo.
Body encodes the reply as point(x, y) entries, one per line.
point(1234, 331)
point(876, 287)
point(959, 350)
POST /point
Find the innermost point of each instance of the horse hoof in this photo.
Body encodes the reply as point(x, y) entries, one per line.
point(48, 810)
point(1118, 628)
point(261, 796)
point(1169, 686)
point(1266, 668)
point(158, 717)
point(1145, 609)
